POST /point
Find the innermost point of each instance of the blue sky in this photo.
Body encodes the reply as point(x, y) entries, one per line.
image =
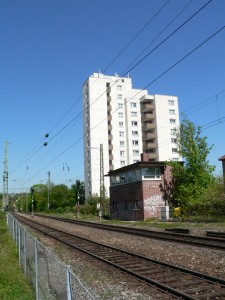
point(48, 48)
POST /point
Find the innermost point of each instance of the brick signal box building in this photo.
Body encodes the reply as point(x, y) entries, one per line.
point(138, 191)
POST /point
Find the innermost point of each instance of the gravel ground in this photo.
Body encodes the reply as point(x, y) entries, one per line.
point(109, 283)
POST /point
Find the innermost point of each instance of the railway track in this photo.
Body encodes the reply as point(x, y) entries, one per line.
point(216, 242)
point(179, 282)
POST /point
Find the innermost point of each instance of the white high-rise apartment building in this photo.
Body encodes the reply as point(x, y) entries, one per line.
point(127, 122)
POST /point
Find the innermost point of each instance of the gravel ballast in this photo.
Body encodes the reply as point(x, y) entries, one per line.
point(109, 283)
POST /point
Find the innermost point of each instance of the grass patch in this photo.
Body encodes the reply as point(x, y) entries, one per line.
point(13, 284)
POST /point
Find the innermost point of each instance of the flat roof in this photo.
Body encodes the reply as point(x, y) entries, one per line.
point(137, 165)
point(222, 158)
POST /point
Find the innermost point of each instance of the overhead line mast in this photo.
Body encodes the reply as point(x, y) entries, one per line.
point(5, 178)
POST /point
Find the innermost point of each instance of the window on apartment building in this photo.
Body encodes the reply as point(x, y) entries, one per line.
point(119, 96)
point(122, 153)
point(122, 144)
point(172, 121)
point(121, 133)
point(133, 104)
point(171, 102)
point(173, 131)
point(174, 150)
point(172, 111)
point(122, 163)
point(134, 123)
point(120, 115)
point(119, 87)
point(120, 105)
point(175, 159)
point(133, 114)
point(135, 152)
point(134, 133)
point(173, 140)
point(120, 124)
point(135, 143)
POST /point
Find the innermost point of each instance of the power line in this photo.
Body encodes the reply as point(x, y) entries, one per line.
point(157, 36)
point(153, 81)
point(73, 105)
point(184, 23)
point(136, 35)
point(170, 35)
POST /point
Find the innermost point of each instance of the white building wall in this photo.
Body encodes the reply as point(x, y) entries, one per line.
point(167, 119)
point(125, 119)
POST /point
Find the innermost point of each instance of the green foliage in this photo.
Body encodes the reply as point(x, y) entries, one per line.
point(13, 284)
point(191, 179)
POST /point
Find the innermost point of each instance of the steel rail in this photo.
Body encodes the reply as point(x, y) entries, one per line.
point(209, 242)
point(162, 275)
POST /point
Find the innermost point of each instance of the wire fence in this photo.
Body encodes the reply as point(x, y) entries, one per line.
point(50, 277)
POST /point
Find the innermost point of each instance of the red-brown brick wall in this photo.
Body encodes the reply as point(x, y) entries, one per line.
point(139, 200)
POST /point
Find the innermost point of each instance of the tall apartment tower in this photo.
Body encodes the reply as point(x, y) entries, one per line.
point(127, 122)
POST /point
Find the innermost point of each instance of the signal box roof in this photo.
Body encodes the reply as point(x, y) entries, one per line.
point(222, 158)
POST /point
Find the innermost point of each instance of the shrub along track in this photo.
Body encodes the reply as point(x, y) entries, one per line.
point(179, 282)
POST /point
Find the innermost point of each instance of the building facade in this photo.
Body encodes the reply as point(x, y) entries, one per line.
point(139, 191)
point(127, 122)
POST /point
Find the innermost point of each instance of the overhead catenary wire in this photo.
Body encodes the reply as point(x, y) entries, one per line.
point(92, 102)
point(141, 60)
point(23, 161)
point(136, 35)
point(150, 83)
point(156, 37)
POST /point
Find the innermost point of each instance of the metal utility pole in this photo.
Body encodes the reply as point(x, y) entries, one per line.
point(5, 178)
point(48, 189)
point(102, 185)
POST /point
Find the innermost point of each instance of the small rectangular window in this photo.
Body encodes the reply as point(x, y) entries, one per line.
point(134, 133)
point(119, 96)
point(171, 102)
point(133, 114)
point(122, 163)
point(122, 153)
point(172, 111)
point(120, 105)
point(134, 123)
point(120, 115)
point(135, 152)
point(120, 124)
point(135, 143)
point(119, 87)
point(172, 121)
point(173, 141)
point(173, 131)
point(121, 143)
point(133, 104)
point(121, 133)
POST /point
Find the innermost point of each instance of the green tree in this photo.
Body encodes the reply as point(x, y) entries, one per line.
point(40, 197)
point(193, 177)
